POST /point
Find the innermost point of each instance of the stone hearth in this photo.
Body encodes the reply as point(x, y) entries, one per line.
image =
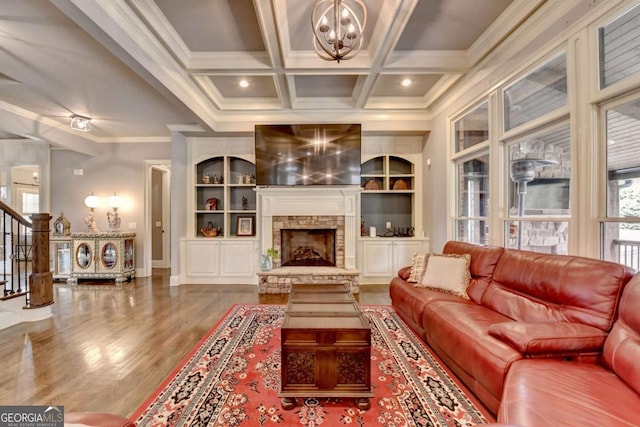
point(279, 280)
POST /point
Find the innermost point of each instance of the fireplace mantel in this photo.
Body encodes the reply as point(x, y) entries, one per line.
point(313, 201)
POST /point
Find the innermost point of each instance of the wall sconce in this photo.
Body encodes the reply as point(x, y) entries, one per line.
point(92, 202)
point(114, 220)
point(80, 123)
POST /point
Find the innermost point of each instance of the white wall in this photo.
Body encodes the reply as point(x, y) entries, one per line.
point(435, 185)
point(119, 168)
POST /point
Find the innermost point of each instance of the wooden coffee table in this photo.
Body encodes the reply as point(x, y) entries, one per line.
point(326, 346)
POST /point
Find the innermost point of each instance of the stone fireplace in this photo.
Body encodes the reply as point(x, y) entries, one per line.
point(309, 230)
point(314, 231)
point(308, 247)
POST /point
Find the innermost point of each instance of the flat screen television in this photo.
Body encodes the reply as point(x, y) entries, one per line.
point(544, 194)
point(322, 154)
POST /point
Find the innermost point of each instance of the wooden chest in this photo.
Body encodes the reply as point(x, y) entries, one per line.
point(326, 346)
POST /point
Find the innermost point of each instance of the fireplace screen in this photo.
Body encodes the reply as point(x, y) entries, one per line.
point(308, 247)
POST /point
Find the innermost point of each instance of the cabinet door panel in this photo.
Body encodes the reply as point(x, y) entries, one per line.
point(377, 259)
point(237, 258)
point(403, 254)
point(202, 258)
point(84, 256)
point(108, 256)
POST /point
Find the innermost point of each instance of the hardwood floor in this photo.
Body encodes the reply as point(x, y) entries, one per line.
point(106, 349)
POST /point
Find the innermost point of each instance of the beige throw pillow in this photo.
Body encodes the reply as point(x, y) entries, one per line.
point(417, 268)
point(447, 273)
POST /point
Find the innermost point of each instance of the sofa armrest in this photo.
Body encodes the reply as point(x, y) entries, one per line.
point(404, 272)
point(549, 338)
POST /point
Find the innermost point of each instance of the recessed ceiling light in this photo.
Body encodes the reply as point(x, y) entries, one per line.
point(406, 82)
point(244, 83)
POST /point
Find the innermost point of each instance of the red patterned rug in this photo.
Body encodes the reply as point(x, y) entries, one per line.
point(231, 378)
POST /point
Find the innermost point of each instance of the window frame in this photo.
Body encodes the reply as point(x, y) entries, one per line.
point(469, 153)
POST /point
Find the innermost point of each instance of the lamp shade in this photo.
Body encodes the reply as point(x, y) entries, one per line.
point(115, 201)
point(92, 201)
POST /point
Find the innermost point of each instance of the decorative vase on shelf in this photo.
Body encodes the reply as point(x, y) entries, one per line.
point(266, 263)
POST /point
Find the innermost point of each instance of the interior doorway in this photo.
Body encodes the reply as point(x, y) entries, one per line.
point(157, 211)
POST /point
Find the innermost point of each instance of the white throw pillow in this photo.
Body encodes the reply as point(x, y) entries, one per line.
point(417, 268)
point(447, 273)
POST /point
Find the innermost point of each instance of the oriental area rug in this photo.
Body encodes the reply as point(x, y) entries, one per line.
point(232, 378)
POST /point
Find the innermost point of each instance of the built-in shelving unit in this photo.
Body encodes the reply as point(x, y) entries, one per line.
point(389, 197)
point(388, 184)
point(224, 195)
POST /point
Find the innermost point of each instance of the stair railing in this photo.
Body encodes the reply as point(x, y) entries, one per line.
point(24, 257)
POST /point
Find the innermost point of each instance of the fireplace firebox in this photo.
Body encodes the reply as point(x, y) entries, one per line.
point(308, 247)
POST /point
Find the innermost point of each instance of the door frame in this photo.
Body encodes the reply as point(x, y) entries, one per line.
point(165, 166)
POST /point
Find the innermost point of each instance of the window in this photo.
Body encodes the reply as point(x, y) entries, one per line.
point(620, 235)
point(471, 135)
point(473, 128)
point(539, 170)
point(619, 45)
point(542, 91)
point(30, 203)
point(472, 223)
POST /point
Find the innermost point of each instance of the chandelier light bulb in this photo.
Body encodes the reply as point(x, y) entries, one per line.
point(351, 33)
point(324, 25)
point(344, 18)
point(332, 37)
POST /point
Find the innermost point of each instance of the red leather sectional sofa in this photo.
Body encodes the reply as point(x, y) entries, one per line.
point(539, 342)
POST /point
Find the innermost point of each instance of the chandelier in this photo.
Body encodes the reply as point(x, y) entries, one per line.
point(338, 26)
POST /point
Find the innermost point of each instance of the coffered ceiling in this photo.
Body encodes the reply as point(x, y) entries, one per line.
point(138, 66)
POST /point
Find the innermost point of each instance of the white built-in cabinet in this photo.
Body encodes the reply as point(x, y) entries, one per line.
point(228, 259)
point(381, 258)
point(392, 186)
point(221, 190)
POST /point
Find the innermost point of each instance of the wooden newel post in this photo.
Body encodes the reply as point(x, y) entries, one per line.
point(41, 278)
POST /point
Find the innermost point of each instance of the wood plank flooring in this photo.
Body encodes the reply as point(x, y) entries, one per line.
point(106, 349)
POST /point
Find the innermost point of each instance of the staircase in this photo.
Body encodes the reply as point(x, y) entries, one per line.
point(25, 277)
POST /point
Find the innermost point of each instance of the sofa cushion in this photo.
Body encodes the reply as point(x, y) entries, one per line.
point(549, 392)
point(483, 262)
point(622, 347)
point(549, 338)
point(417, 268)
point(409, 302)
point(534, 287)
point(448, 273)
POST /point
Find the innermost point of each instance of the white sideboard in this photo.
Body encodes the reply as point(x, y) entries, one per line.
point(106, 255)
